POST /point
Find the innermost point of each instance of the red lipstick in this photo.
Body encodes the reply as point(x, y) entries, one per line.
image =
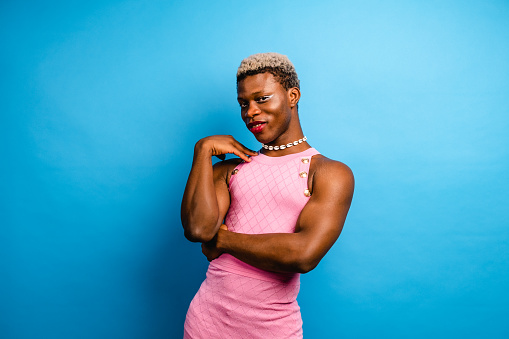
point(256, 126)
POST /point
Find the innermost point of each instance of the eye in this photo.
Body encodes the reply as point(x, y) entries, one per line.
point(264, 98)
point(243, 104)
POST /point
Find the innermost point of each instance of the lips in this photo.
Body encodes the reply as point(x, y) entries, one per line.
point(256, 126)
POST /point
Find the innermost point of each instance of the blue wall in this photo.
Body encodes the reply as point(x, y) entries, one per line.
point(101, 103)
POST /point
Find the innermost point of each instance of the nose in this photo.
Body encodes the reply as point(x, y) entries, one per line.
point(252, 110)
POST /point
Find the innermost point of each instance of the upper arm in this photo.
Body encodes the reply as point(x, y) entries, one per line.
point(222, 172)
point(322, 218)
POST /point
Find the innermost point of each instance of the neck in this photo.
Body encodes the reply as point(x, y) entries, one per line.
point(287, 151)
point(291, 140)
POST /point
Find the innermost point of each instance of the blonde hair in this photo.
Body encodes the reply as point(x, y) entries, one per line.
point(274, 63)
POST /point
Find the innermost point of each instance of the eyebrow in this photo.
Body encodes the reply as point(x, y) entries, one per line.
point(255, 93)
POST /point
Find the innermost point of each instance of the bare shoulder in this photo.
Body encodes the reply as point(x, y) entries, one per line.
point(331, 174)
point(227, 164)
point(223, 169)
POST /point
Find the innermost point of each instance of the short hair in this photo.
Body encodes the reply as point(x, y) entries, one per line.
point(274, 63)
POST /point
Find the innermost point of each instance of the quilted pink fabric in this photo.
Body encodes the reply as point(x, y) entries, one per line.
point(237, 300)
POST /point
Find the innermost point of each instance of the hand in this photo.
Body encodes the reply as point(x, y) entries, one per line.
point(220, 145)
point(209, 248)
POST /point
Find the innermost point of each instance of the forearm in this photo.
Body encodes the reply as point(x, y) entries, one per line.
point(199, 210)
point(277, 252)
point(206, 196)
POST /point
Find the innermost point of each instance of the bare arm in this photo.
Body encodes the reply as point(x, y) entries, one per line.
point(206, 197)
point(318, 227)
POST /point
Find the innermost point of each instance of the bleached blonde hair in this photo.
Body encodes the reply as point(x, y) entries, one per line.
point(274, 63)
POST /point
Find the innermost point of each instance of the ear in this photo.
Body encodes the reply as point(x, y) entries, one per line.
point(293, 96)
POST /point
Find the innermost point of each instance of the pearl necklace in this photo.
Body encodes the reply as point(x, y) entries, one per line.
point(290, 144)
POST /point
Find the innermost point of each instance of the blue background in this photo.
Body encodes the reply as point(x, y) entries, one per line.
point(101, 103)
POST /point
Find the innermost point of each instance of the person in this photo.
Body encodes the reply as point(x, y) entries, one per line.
point(264, 217)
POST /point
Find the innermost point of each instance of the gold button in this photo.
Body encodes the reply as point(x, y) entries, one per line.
point(307, 193)
point(305, 160)
point(235, 171)
point(303, 174)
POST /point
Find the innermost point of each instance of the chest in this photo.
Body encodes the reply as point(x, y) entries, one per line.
point(270, 186)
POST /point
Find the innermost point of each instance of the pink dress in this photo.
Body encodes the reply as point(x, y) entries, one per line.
point(237, 300)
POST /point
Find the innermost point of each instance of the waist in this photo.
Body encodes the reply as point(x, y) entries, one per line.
point(229, 263)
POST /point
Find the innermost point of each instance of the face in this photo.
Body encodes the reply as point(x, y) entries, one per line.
point(266, 107)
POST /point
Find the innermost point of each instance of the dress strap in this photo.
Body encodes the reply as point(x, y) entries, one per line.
point(304, 163)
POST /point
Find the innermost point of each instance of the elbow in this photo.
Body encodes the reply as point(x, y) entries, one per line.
point(307, 260)
point(198, 234)
point(196, 229)
point(305, 266)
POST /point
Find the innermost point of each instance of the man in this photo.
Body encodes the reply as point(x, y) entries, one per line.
point(282, 208)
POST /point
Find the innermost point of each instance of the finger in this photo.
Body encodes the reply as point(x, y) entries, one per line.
point(245, 149)
point(240, 151)
point(224, 227)
point(241, 155)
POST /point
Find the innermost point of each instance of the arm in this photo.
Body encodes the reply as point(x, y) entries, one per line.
point(318, 227)
point(206, 197)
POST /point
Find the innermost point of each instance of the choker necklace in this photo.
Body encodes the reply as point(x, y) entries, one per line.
point(290, 144)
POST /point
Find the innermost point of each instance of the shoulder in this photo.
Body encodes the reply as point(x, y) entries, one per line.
point(223, 169)
point(227, 164)
point(330, 175)
point(323, 166)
